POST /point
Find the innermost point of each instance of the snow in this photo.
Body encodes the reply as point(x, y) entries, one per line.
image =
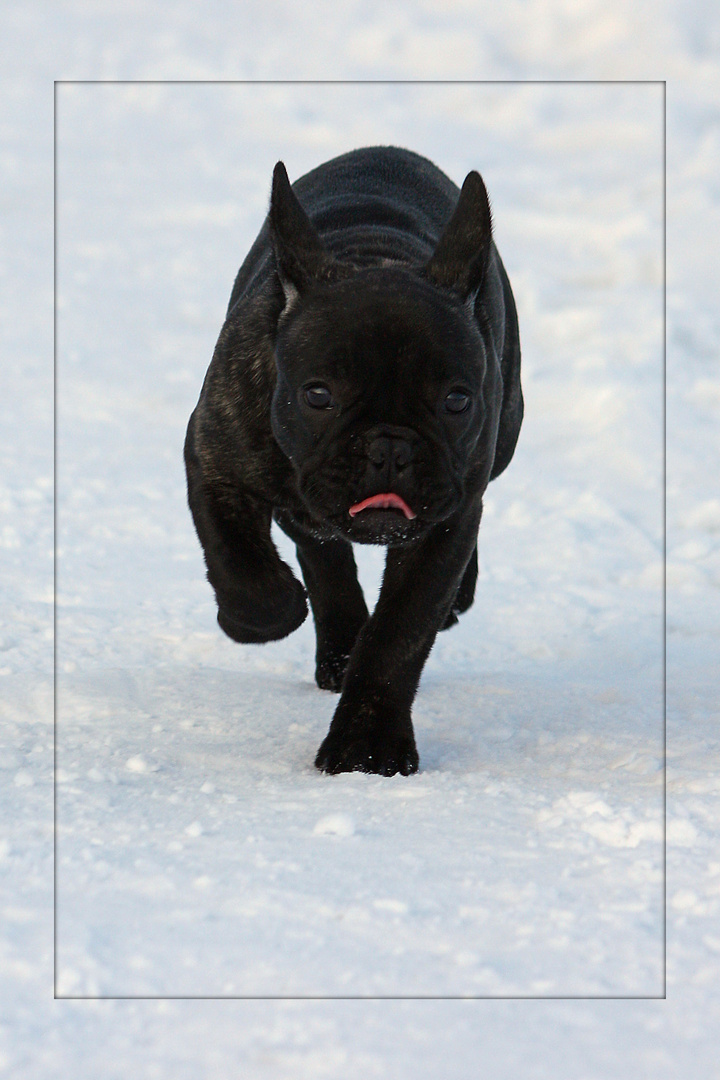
point(200, 859)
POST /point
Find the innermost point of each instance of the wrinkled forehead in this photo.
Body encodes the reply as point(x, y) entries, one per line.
point(380, 319)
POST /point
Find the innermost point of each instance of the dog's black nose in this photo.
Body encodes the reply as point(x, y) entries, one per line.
point(389, 454)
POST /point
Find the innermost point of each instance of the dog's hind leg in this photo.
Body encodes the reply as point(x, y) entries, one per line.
point(337, 601)
point(466, 592)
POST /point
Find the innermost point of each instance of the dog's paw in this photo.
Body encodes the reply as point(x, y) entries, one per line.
point(252, 625)
point(375, 751)
point(330, 671)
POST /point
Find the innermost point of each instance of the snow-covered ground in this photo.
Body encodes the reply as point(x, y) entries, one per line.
point(199, 854)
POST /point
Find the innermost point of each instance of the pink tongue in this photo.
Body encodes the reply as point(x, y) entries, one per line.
point(387, 501)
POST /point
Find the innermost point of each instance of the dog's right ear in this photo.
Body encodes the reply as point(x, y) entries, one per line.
point(299, 253)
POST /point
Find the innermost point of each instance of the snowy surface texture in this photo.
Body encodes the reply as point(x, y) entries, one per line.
point(526, 858)
point(199, 854)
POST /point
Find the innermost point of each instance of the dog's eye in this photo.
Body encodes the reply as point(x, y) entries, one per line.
point(457, 401)
point(318, 396)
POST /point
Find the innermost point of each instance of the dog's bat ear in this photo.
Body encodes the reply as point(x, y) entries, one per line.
point(299, 254)
point(460, 258)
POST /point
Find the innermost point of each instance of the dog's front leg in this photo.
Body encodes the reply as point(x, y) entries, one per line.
point(258, 596)
point(372, 728)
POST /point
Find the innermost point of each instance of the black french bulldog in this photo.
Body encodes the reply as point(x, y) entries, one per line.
point(365, 388)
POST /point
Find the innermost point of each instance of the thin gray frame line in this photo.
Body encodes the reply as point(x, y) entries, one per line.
point(55, 523)
point(664, 522)
point(372, 82)
point(361, 997)
point(361, 82)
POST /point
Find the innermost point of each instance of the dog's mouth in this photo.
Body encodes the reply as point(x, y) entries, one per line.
point(387, 500)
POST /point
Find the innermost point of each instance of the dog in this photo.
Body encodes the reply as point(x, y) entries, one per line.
point(365, 388)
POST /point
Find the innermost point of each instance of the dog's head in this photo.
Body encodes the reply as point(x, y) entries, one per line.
point(379, 402)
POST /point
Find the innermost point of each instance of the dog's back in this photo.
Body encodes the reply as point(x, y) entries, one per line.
point(374, 204)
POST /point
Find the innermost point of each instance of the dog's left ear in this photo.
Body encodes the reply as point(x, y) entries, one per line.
point(460, 258)
point(299, 253)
